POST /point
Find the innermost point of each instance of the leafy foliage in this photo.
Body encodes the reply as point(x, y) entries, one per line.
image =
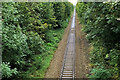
point(62, 11)
point(31, 33)
point(102, 30)
point(99, 74)
point(7, 71)
point(35, 43)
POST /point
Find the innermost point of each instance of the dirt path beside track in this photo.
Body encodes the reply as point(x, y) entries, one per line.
point(82, 51)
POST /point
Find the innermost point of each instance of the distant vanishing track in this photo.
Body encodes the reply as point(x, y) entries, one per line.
point(68, 67)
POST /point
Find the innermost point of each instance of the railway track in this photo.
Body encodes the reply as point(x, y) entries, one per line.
point(68, 67)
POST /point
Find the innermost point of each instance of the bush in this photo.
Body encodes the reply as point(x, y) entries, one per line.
point(102, 30)
point(15, 47)
point(25, 31)
point(7, 71)
point(100, 74)
point(35, 43)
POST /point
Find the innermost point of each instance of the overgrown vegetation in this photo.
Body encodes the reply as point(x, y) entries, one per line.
point(31, 33)
point(102, 27)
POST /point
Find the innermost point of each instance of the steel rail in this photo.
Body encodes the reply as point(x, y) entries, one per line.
point(68, 67)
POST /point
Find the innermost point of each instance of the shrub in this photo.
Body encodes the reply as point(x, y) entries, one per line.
point(7, 71)
point(102, 30)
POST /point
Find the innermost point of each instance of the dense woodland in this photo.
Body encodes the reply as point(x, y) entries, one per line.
point(31, 33)
point(100, 22)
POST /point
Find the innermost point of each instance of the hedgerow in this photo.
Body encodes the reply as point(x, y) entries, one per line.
point(27, 45)
point(101, 25)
